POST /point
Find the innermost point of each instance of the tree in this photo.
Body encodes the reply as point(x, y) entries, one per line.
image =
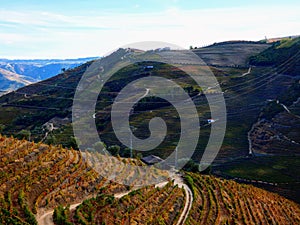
point(125, 153)
point(71, 143)
point(24, 134)
point(139, 156)
point(51, 140)
point(114, 150)
point(191, 166)
point(2, 127)
point(61, 215)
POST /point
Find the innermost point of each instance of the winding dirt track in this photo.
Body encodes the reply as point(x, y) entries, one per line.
point(46, 218)
point(188, 205)
point(188, 195)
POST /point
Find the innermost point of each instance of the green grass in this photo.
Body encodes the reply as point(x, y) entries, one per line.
point(287, 43)
point(279, 169)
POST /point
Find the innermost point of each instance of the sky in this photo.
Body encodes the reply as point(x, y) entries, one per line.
point(71, 29)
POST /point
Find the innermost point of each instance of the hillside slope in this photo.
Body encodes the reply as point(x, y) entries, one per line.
point(233, 54)
point(148, 205)
point(24, 72)
point(41, 69)
point(31, 107)
point(285, 53)
point(35, 178)
point(11, 81)
point(218, 201)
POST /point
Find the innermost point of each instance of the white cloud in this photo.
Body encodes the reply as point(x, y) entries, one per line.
point(73, 36)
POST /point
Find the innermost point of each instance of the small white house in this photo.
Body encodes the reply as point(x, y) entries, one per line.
point(211, 121)
point(149, 67)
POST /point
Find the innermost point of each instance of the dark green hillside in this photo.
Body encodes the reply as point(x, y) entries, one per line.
point(31, 107)
point(283, 54)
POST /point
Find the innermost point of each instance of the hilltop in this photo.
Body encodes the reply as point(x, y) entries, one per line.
point(283, 54)
point(230, 54)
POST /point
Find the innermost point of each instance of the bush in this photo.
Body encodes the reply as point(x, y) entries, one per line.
point(114, 150)
point(190, 182)
point(61, 215)
point(191, 166)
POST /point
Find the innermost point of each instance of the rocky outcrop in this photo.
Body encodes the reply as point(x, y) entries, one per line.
point(279, 135)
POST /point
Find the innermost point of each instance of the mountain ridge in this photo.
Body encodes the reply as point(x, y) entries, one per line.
point(35, 70)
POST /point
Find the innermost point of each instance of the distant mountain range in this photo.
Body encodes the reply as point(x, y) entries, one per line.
point(11, 81)
point(18, 73)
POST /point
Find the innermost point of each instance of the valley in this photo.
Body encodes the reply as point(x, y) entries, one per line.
point(254, 179)
point(15, 74)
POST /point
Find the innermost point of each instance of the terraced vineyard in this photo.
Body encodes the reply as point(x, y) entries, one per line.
point(46, 175)
point(35, 177)
point(218, 201)
point(148, 205)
